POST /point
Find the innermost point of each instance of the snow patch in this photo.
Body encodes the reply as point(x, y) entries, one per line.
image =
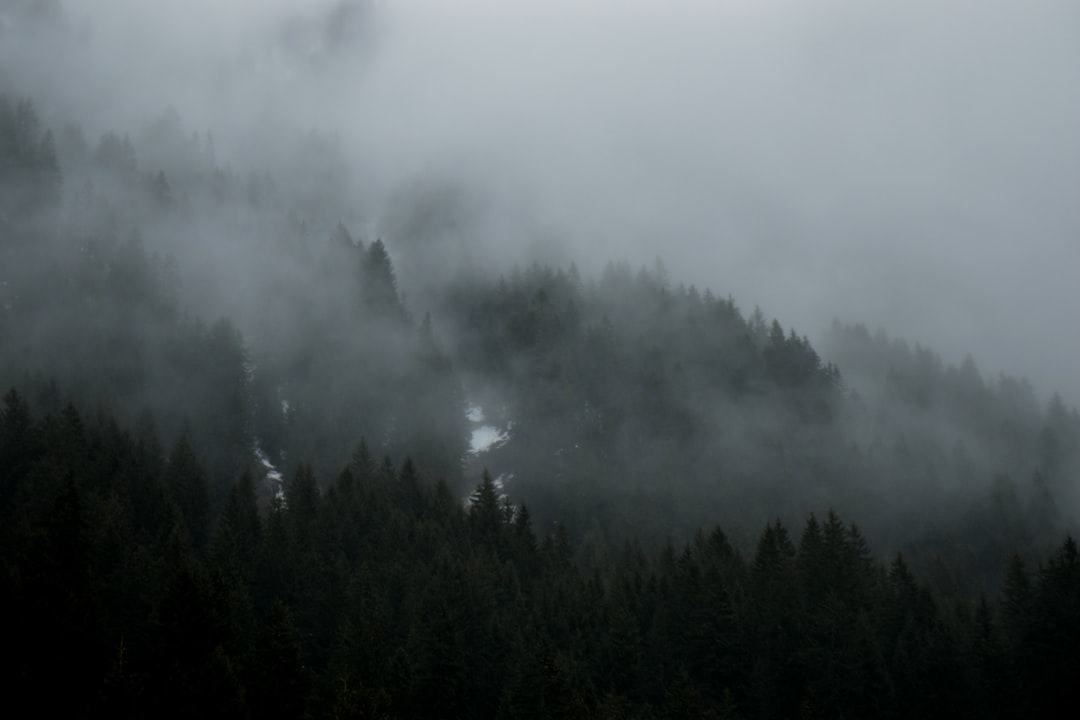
point(271, 475)
point(486, 437)
point(500, 481)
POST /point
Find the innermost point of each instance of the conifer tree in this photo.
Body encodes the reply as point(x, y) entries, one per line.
point(189, 489)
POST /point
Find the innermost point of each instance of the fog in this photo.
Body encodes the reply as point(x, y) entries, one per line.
point(422, 353)
point(908, 165)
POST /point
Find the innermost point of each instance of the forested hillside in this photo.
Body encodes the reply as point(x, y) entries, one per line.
point(380, 596)
point(510, 490)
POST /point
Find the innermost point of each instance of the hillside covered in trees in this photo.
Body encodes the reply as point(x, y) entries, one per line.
point(683, 508)
point(379, 595)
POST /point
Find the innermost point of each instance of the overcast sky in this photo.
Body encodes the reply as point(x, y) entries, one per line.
point(913, 165)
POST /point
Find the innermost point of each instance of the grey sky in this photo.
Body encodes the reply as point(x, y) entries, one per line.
point(913, 165)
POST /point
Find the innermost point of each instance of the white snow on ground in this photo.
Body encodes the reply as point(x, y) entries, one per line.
point(484, 437)
point(500, 482)
point(487, 437)
point(270, 473)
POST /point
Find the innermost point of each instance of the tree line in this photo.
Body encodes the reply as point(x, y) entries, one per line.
point(136, 590)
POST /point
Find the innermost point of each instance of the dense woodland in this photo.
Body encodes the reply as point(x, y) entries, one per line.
point(379, 595)
point(662, 529)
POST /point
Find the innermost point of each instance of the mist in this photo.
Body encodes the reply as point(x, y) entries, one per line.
point(282, 280)
point(906, 165)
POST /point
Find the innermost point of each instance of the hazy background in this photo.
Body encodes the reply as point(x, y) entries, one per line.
point(911, 165)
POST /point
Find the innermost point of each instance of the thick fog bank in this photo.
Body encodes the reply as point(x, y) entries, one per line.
point(907, 165)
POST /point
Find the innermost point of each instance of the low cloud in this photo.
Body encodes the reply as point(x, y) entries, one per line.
point(910, 165)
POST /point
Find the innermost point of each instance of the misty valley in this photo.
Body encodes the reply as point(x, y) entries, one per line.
point(274, 447)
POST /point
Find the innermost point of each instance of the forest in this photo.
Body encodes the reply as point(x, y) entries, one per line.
point(258, 462)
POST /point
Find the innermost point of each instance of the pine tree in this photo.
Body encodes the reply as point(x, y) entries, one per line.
point(278, 683)
point(302, 500)
point(378, 283)
point(484, 515)
point(18, 443)
point(189, 489)
point(240, 517)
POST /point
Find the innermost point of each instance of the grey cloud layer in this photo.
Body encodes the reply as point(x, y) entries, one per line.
point(914, 165)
